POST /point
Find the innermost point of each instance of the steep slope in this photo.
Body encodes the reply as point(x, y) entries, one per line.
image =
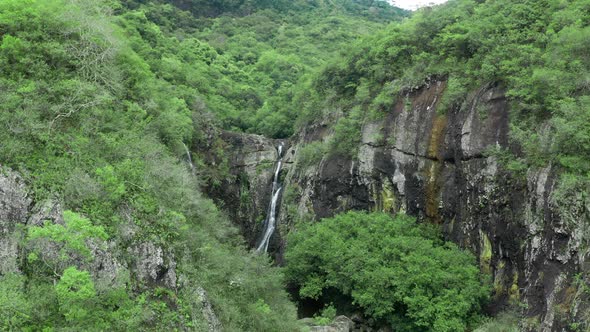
point(256, 58)
point(102, 225)
point(436, 167)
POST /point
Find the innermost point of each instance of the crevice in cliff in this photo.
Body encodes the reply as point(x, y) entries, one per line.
point(450, 160)
point(411, 154)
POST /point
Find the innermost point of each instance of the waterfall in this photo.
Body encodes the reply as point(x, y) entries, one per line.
point(269, 223)
point(189, 159)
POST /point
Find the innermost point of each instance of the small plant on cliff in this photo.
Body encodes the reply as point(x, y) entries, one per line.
point(311, 154)
point(398, 272)
point(347, 135)
point(326, 316)
point(505, 322)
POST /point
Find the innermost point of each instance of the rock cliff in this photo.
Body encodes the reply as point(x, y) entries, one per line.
point(148, 264)
point(245, 192)
point(438, 168)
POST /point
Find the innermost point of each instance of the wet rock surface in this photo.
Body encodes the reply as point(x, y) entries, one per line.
point(245, 194)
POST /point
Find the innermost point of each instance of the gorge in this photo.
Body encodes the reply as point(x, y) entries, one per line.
point(294, 165)
point(437, 167)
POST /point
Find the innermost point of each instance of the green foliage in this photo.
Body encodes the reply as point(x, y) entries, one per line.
point(262, 307)
point(97, 103)
point(347, 135)
point(73, 235)
point(311, 154)
point(393, 269)
point(15, 307)
point(505, 322)
point(534, 48)
point(250, 63)
point(74, 290)
point(326, 316)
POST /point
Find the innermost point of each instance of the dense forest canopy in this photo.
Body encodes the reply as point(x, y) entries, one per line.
point(261, 55)
point(395, 270)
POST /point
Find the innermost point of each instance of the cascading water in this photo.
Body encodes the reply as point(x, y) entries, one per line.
point(269, 223)
point(189, 159)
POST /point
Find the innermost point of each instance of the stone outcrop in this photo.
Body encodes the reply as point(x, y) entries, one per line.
point(153, 266)
point(213, 323)
point(14, 210)
point(437, 167)
point(339, 324)
point(148, 264)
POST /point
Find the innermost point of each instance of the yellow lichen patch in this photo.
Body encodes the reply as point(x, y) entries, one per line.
point(565, 307)
point(433, 172)
point(433, 191)
point(387, 198)
point(514, 291)
point(452, 225)
point(375, 197)
point(500, 279)
point(485, 255)
point(402, 207)
point(436, 136)
point(499, 285)
point(384, 197)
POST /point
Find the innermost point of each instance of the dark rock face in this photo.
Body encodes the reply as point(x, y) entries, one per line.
point(245, 194)
point(435, 167)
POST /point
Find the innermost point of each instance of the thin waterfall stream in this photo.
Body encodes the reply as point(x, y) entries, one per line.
point(189, 159)
point(270, 222)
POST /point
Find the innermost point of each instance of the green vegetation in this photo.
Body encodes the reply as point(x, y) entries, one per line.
point(399, 273)
point(536, 49)
point(97, 104)
point(73, 236)
point(327, 315)
point(100, 100)
point(505, 322)
point(252, 66)
point(311, 154)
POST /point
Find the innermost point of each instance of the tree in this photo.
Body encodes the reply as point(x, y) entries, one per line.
point(14, 306)
point(75, 290)
point(396, 271)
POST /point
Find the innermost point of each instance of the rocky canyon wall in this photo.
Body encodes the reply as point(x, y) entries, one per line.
point(436, 167)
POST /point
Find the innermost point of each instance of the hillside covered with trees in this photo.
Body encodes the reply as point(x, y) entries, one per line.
point(111, 113)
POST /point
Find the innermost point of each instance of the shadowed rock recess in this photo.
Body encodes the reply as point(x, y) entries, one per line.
point(433, 166)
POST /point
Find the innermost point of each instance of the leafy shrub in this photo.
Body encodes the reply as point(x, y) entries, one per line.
point(347, 135)
point(505, 322)
point(73, 235)
point(326, 316)
point(396, 271)
point(311, 154)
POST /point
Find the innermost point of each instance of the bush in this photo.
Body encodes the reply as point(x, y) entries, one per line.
point(505, 322)
point(311, 154)
point(396, 271)
point(347, 135)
